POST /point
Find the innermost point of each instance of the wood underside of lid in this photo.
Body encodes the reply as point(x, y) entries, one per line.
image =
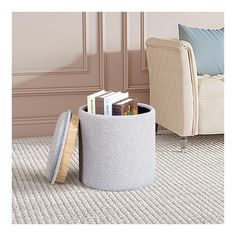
point(68, 150)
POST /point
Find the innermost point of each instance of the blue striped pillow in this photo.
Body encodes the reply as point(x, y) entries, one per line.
point(208, 48)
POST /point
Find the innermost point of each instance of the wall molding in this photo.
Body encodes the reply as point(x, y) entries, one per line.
point(102, 62)
point(55, 91)
point(16, 121)
point(46, 91)
point(126, 56)
point(125, 52)
point(144, 67)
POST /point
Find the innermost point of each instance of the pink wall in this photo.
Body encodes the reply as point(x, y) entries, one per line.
point(60, 58)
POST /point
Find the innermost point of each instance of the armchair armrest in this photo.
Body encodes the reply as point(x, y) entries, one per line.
point(173, 84)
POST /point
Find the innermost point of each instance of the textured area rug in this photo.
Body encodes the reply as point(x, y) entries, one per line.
point(189, 187)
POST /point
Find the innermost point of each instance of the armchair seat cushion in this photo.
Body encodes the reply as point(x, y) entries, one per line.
point(211, 104)
point(211, 86)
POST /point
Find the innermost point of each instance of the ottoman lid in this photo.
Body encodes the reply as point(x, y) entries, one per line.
point(62, 147)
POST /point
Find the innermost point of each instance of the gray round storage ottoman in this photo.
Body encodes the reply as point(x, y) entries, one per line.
point(117, 152)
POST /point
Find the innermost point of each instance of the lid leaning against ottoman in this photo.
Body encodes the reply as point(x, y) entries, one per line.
point(62, 147)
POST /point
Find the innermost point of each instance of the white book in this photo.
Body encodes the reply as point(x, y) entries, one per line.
point(105, 99)
point(113, 99)
point(91, 101)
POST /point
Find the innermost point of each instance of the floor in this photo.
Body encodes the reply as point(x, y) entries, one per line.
point(189, 187)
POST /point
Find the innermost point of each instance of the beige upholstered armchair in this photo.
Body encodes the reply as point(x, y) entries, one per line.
point(185, 103)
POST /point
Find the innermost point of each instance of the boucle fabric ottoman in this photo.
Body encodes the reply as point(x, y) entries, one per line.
point(117, 152)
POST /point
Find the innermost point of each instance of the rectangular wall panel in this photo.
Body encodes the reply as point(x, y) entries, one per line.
point(53, 34)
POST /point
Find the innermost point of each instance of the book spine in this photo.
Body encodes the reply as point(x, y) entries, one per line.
point(93, 108)
point(135, 107)
point(108, 107)
point(99, 105)
point(89, 104)
point(107, 104)
point(116, 110)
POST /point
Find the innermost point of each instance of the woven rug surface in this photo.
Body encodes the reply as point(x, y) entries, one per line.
point(189, 187)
